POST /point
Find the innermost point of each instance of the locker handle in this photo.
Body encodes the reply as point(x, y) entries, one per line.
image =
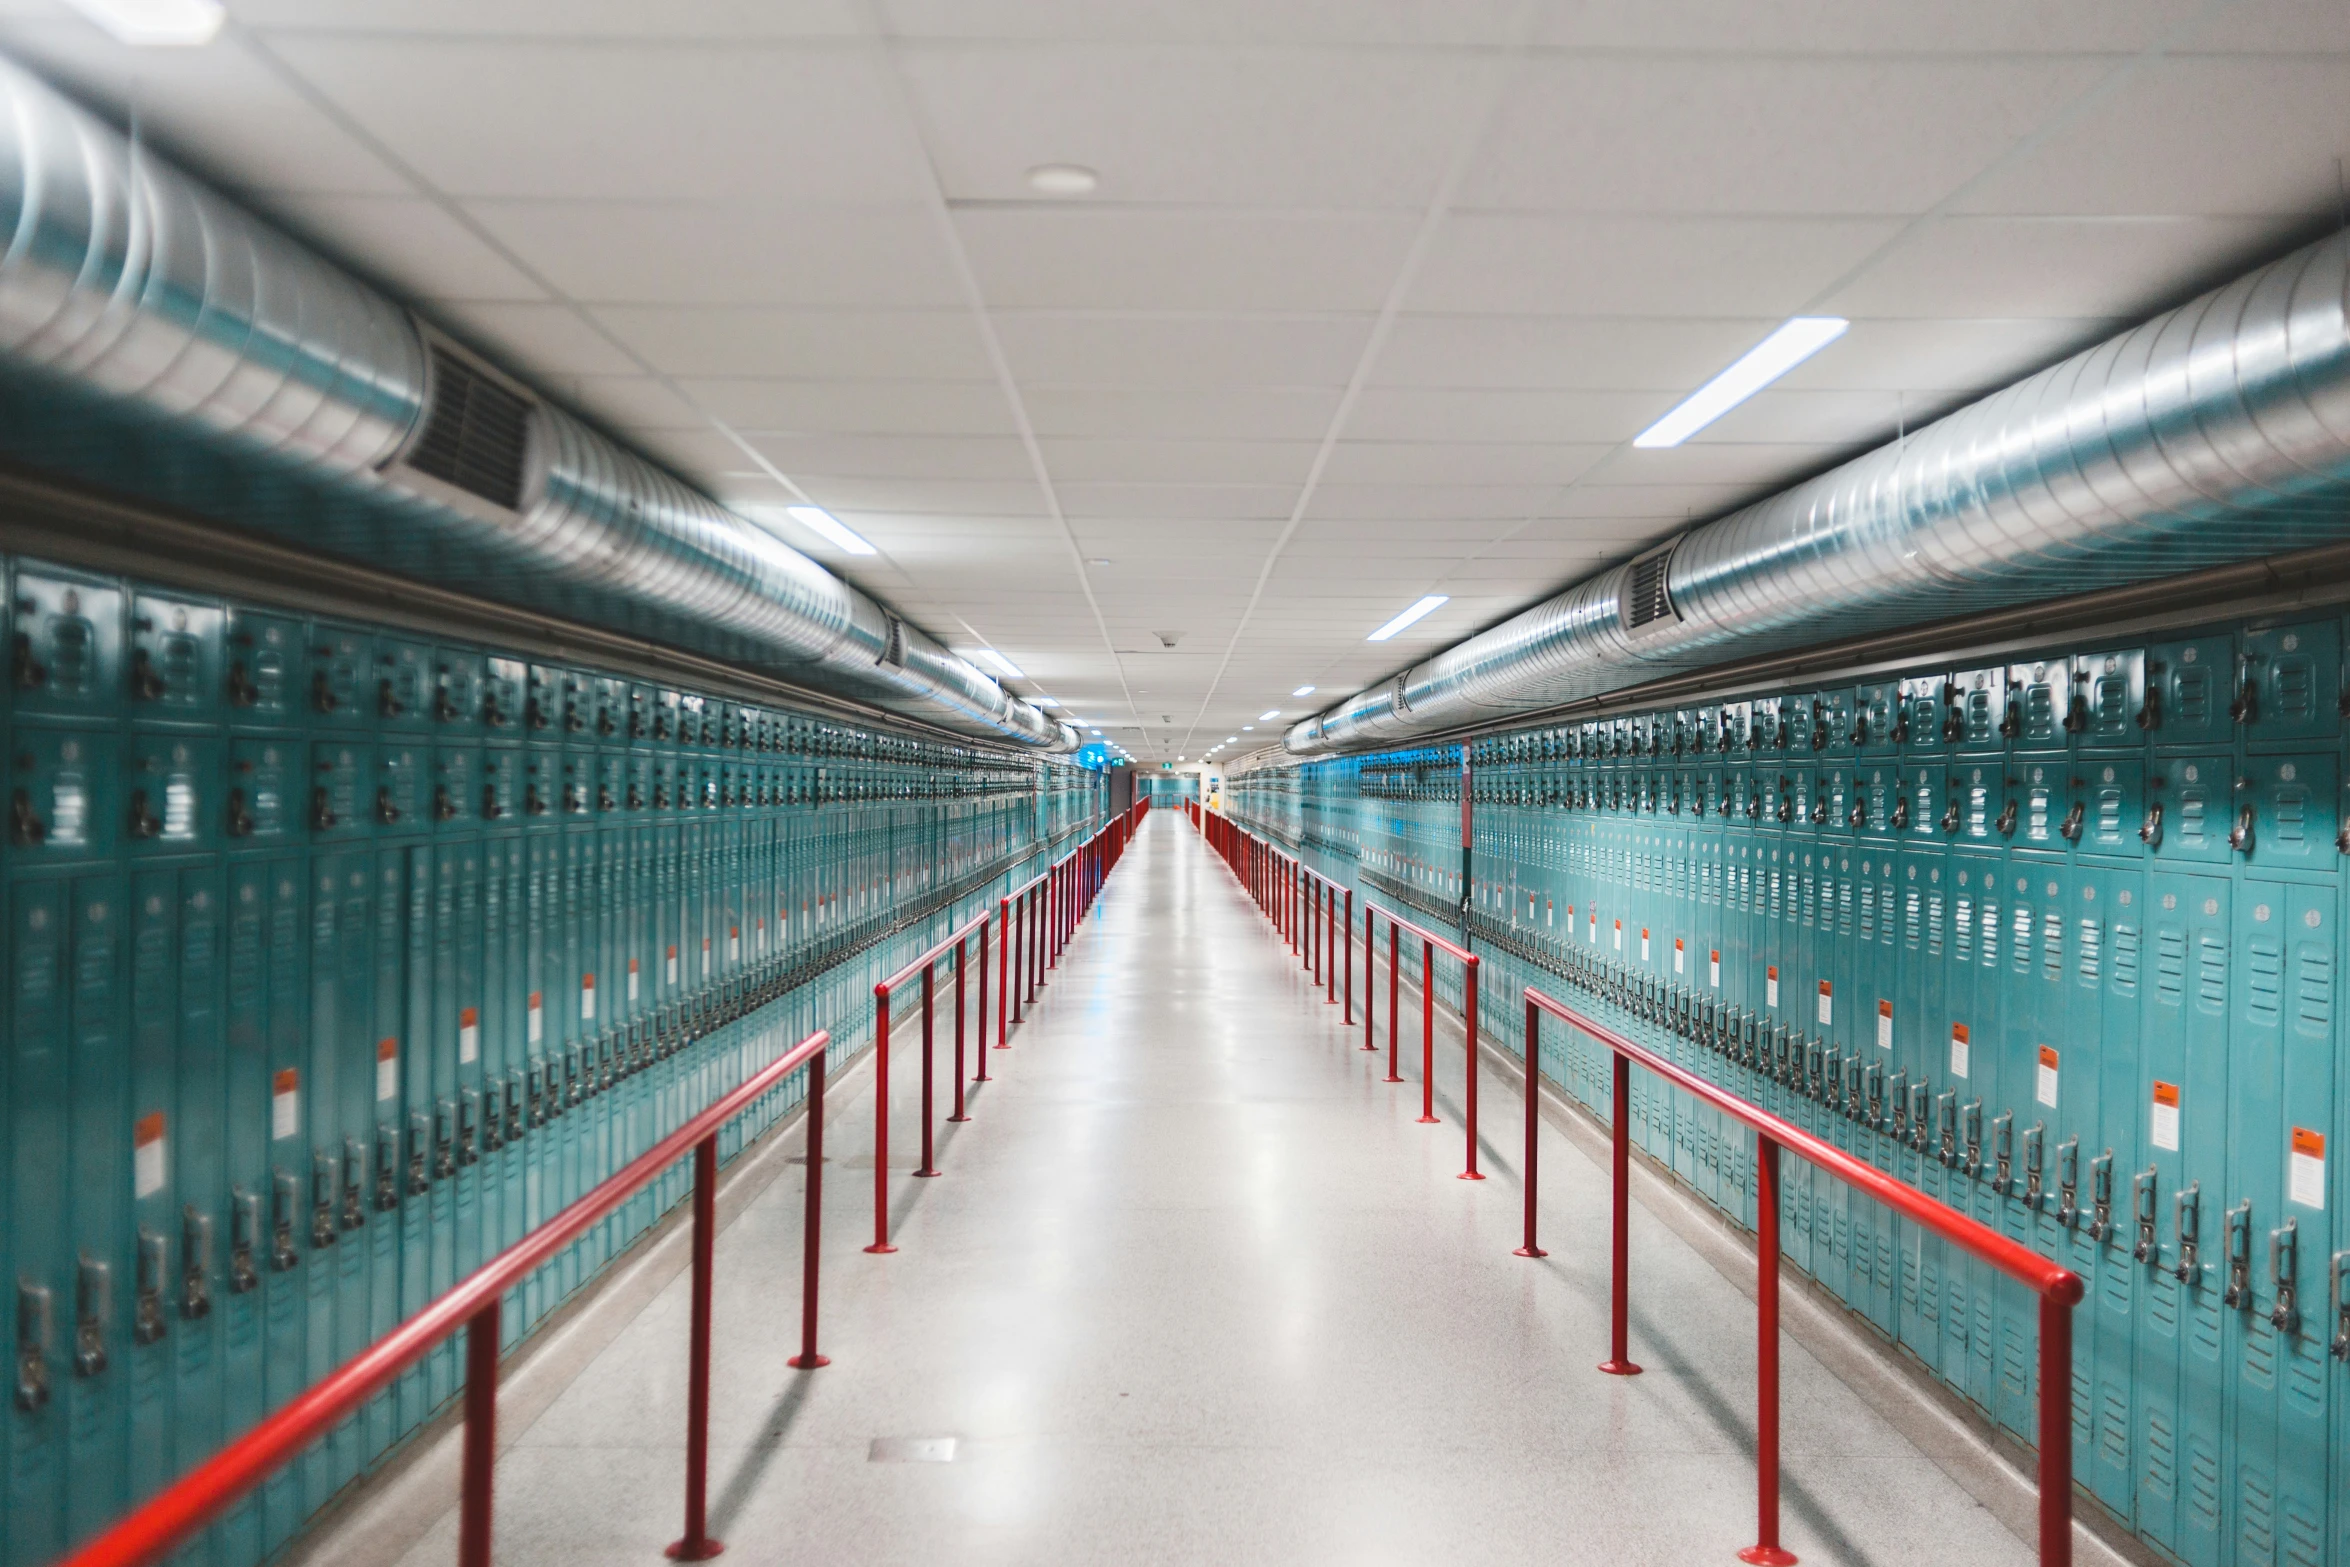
point(387, 1167)
point(419, 1152)
point(35, 1314)
point(25, 828)
point(1950, 817)
point(1946, 1118)
point(2011, 722)
point(2340, 1304)
point(2238, 1247)
point(444, 805)
point(196, 1264)
point(2003, 1151)
point(2101, 1196)
point(31, 674)
point(2142, 1187)
point(2076, 712)
point(2150, 711)
point(322, 692)
point(444, 1140)
point(468, 1120)
point(146, 684)
point(1972, 1120)
point(240, 821)
point(2240, 835)
point(2186, 1222)
point(322, 1200)
point(2035, 1140)
point(1873, 1086)
point(2150, 830)
point(444, 707)
point(144, 824)
point(2006, 821)
point(1899, 734)
point(1901, 813)
point(2245, 709)
point(2070, 828)
point(154, 1259)
point(322, 812)
point(490, 811)
point(387, 699)
point(2284, 1271)
point(1857, 816)
point(93, 1304)
point(244, 1230)
point(2068, 1181)
point(1819, 810)
point(354, 1213)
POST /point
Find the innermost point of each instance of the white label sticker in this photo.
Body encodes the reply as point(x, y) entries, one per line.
point(535, 1014)
point(734, 943)
point(1771, 985)
point(632, 979)
point(468, 1036)
point(1827, 1008)
point(587, 997)
point(705, 957)
point(1884, 1025)
point(670, 974)
point(387, 1069)
point(2305, 1169)
point(2044, 1080)
point(2166, 1117)
point(1680, 957)
point(1592, 929)
point(147, 1155)
point(285, 1103)
point(1619, 935)
point(1644, 944)
point(1714, 963)
point(1958, 1050)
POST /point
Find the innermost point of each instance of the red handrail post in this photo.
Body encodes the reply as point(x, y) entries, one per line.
point(481, 1435)
point(929, 1165)
point(1469, 1040)
point(980, 1076)
point(962, 963)
point(1619, 1291)
point(1394, 986)
point(1347, 940)
point(881, 1122)
point(2056, 1432)
point(811, 1226)
point(1428, 1033)
point(1370, 968)
point(1003, 959)
point(1766, 1551)
point(696, 1545)
point(1533, 1089)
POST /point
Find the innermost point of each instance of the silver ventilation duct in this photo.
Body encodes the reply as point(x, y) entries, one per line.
point(2217, 432)
point(130, 281)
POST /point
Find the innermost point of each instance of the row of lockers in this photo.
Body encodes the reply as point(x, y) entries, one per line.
point(265, 1094)
point(2119, 1049)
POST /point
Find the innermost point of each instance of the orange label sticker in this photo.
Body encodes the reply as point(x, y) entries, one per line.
point(2305, 1169)
point(1960, 1053)
point(2044, 1077)
point(1884, 1025)
point(147, 1154)
point(285, 1103)
point(2165, 1122)
point(468, 1034)
point(535, 1019)
point(387, 1069)
point(1827, 1008)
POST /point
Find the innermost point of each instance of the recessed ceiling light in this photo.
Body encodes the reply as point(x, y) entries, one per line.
point(1303, 691)
point(1097, 563)
point(828, 527)
point(1228, 739)
point(1062, 179)
point(1431, 602)
point(181, 24)
point(1268, 715)
point(1796, 340)
point(988, 655)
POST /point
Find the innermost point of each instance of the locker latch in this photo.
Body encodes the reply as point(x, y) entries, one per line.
point(2186, 1221)
point(490, 809)
point(385, 811)
point(1786, 809)
point(154, 1258)
point(2240, 835)
point(515, 1116)
point(468, 1120)
point(2076, 707)
point(2238, 1245)
point(354, 1209)
point(2340, 1303)
point(2011, 722)
point(1856, 1075)
point(1888, 1102)
point(1819, 808)
point(2006, 821)
point(244, 1219)
point(2150, 830)
point(2284, 1272)
point(444, 1139)
point(34, 1323)
point(195, 1264)
point(93, 1305)
point(144, 823)
point(2101, 1196)
point(240, 820)
point(387, 699)
point(387, 1167)
point(2142, 1209)
point(285, 1199)
point(2068, 1181)
point(1946, 1118)
point(1921, 1126)
point(419, 1153)
point(2035, 1137)
point(1901, 812)
point(444, 807)
point(1973, 1122)
point(2150, 711)
point(1900, 732)
point(2245, 709)
point(1953, 715)
point(2003, 1151)
point(322, 1200)
point(25, 828)
point(1950, 816)
point(322, 809)
point(322, 692)
point(2070, 828)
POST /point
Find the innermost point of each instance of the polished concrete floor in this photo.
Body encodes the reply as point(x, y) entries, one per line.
point(1196, 1287)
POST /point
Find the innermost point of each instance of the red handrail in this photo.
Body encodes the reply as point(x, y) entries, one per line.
point(954, 941)
point(2059, 1289)
point(215, 1485)
point(1471, 967)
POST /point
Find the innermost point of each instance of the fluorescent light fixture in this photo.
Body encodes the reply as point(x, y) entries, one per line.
point(1044, 701)
point(1002, 664)
point(828, 527)
point(1432, 602)
point(167, 24)
point(1268, 715)
point(1303, 691)
point(1228, 739)
point(1094, 731)
point(1797, 339)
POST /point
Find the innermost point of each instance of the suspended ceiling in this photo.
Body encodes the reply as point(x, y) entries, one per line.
point(1369, 301)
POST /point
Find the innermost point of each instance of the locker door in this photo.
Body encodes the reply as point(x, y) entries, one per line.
point(143, 1357)
point(93, 1306)
point(299, 1103)
point(191, 1284)
point(242, 1186)
point(36, 1245)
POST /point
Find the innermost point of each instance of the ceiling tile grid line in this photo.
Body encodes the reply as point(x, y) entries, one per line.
point(959, 258)
point(2070, 113)
point(1456, 170)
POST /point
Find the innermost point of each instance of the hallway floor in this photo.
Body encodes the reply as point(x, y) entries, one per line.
point(1196, 1288)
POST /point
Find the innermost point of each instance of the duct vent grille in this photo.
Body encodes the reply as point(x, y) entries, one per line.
point(476, 433)
point(893, 654)
point(1646, 598)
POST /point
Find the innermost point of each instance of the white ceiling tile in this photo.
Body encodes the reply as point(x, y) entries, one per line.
point(2056, 267)
point(1620, 502)
point(1863, 26)
point(1178, 504)
point(965, 497)
point(1429, 502)
point(1184, 350)
point(629, 402)
point(1641, 266)
point(1421, 23)
point(1267, 413)
point(2220, 136)
point(2282, 26)
point(1456, 414)
point(898, 456)
point(649, 121)
point(722, 253)
point(856, 407)
point(1652, 353)
point(1768, 134)
point(1815, 418)
point(1438, 462)
point(536, 339)
point(670, 22)
point(416, 247)
point(1121, 258)
point(843, 344)
point(1151, 462)
point(1702, 461)
point(1938, 355)
point(1232, 127)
